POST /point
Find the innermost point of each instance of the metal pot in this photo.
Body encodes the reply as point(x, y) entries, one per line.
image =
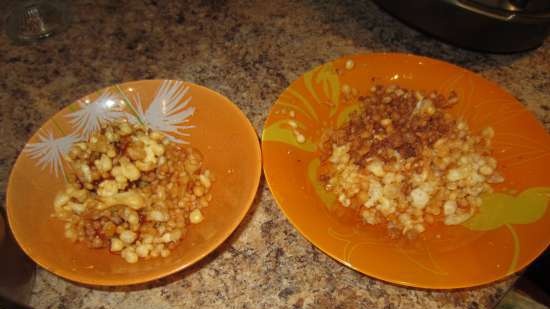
point(487, 25)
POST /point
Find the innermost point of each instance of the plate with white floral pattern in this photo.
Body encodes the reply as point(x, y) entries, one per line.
point(185, 113)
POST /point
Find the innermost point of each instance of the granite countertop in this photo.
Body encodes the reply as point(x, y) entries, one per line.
point(249, 51)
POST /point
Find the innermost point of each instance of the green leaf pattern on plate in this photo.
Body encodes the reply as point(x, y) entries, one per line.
point(501, 209)
point(328, 79)
point(326, 197)
point(345, 114)
point(280, 131)
point(498, 209)
point(330, 82)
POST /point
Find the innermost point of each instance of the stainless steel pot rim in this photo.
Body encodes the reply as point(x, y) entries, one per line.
point(507, 16)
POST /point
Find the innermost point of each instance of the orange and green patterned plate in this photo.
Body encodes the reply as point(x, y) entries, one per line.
point(513, 225)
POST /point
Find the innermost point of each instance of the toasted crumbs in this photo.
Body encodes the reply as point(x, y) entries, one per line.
point(132, 191)
point(402, 160)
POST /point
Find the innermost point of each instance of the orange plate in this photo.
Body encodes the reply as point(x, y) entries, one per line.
point(207, 120)
point(509, 231)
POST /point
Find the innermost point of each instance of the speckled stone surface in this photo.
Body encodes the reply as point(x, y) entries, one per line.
point(249, 51)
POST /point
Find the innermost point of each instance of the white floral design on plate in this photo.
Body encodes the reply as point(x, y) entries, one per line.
point(88, 119)
point(168, 113)
point(49, 151)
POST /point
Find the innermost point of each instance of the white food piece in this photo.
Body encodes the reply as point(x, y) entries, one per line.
point(346, 89)
point(293, 124)
point(143, 250)
point(103, 164)
point(196, 216)
point(131, 199)
point(129, 255)
point(377, 168)
point(77, 208)
point(107, 188)
point(449, 208)
point(349, 64)
point(116, 244)
point(455, 174)
point(128, 237)
point(157, 216)
point(419, 198)
point(205, 179)
point(300, 138)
